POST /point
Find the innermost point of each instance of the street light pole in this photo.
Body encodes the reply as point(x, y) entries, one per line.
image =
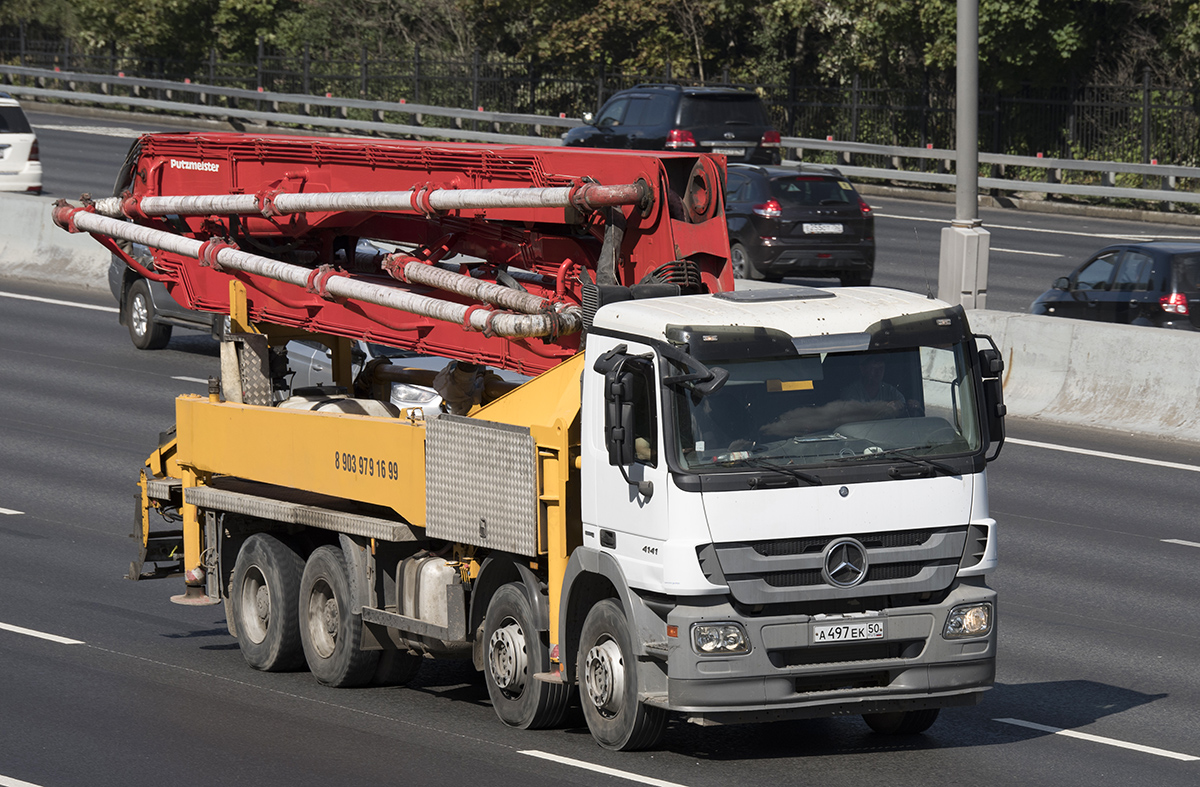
point(963, 264)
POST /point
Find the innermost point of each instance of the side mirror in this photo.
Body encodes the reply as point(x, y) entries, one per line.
point(588, 117)
point(1061, 283)
point(991, 368)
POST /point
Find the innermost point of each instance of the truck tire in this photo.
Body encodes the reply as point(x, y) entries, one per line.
point(608, 683)
point(514, 653)
point(144, 330)
point(263, 600)
point(902, 722)
point(331, 635)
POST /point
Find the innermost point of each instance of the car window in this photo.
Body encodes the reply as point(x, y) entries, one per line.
point(735, 187)
point(1134, 272)
point(1095, 275)
point(810, 191)
point(612, 113)
point(1187, 272)
point(648, 111)
point(719, 110)
point(12, 121)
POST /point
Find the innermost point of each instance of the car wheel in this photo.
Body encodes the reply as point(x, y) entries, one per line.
point(739, 259)
point(144, 330)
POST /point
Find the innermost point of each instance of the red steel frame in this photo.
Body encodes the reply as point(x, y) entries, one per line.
point(681, 222)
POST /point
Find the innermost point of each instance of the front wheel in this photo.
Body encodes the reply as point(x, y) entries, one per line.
point(515, 653)
point(145, 331)
point(332, 636)
point(902, 722)
point(608, 683)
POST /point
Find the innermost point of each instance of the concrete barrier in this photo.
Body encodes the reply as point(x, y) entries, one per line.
point(32, 247)
point(1124, 377)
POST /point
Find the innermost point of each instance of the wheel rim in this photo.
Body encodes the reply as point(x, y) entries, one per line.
point(604, 678)
point(139, 315)
point(737, 259)
point(323, 619)
point(507, 659)
point(256, 605)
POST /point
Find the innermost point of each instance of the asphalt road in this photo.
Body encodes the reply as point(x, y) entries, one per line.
point(1099, 630)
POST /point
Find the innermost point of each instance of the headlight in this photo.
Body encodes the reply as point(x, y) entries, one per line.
point(404, 395)
point(713, 639)
point(968, 620)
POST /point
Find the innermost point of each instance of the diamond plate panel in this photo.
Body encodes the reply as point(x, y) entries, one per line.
point(481, 484)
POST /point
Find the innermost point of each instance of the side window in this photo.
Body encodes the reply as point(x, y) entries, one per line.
point(1134, 273)
point(648, 111)
point(645, 408)
point(612, 113)
point(735, 187)
point(1095, 275)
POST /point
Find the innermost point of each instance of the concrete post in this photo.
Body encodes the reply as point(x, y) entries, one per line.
point(963, 263)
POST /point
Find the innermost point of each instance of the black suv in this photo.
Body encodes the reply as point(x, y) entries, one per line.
point(726, 121)
point(805, 221)
point(1153, 283)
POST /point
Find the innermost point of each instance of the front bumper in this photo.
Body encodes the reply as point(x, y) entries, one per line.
point(785, 676)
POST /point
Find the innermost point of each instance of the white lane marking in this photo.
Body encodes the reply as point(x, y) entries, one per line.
point(633, 777)
point(1181, 543)
point(6, 781)
point(101, 131)
point(190, 379)
point(41, 635)
point(56, 302)
point(10, 511)
point(1104, 455)
point(1108, 236)
point(1034, 253)
point(1098, 739)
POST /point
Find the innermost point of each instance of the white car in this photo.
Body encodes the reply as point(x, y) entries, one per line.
point(20, 166)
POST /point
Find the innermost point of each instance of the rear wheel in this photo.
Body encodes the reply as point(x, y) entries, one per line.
point(902, 722)
point(144, 330)
point(608, 683)
point(332, 636)
point(515, 653)
point(263, 601)
point(739, 259)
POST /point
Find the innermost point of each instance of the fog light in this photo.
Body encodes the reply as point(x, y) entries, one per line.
point(968, 620)
point(719, 639)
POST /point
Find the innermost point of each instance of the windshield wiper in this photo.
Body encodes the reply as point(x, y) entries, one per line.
point(800, 475)
point(903, 455)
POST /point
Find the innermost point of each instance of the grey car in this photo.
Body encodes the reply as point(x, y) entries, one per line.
point(148, 310)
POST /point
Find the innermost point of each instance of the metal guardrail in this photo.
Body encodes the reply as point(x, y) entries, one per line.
point(204, 94)
point(794, 147)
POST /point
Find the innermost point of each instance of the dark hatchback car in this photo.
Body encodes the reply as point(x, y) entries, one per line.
point(1152, 283)
point(806, 221)
point(725, 121)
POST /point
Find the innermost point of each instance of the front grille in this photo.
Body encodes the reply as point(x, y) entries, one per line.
point(789, 571)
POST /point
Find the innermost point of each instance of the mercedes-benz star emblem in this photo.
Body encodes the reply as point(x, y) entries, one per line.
point(845, 563)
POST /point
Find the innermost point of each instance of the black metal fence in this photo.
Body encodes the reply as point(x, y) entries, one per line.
point(1128, 123)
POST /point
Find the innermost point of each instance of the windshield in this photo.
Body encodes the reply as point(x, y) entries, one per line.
point(830, 409)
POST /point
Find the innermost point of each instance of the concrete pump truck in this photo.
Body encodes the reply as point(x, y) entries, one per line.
point(712, 503)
